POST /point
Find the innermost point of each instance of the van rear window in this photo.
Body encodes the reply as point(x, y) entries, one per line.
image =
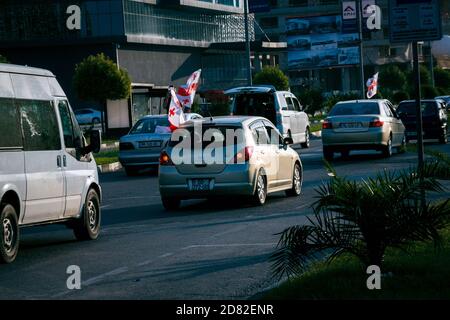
point(259, 104)
point(10, 133)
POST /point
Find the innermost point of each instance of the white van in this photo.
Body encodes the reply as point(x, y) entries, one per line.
point(47, 172)
point(282, 108)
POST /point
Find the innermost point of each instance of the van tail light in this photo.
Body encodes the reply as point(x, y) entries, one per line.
point(326, 124)
point(377, 123)
point(243, 155)
point(164, 159)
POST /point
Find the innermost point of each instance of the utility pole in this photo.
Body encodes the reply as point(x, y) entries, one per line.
point(431, 64)
point(361, 59)
point(420, 153)
point(247, 45)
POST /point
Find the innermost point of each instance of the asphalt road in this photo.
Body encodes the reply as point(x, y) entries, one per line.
point(206, 250)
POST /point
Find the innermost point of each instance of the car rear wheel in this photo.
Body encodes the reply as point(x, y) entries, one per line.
point(170, 203)
point(88, 226)
point(307, 136)
point(260, 195)
point(296, 182)
point(9, 234)
point(387, 149)
point(327, 154)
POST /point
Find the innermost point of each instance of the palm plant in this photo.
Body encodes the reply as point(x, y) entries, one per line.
point(364, 218)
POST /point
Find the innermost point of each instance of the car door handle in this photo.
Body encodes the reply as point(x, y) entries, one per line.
point(58, 161)
point(64, 161)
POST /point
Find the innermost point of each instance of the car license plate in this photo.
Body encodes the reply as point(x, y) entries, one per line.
point(200, 184)
point(149, 144)
point(351, 125)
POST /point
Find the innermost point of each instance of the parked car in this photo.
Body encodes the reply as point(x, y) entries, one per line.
point(141, 147)
point(447, 102)
point(434, 119)
point(280, 107)
point(362, 125)
point(88, 116)
point(255, 164)
point(47, 172)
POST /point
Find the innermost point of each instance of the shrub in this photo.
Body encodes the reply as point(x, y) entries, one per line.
point(442, 79)
point(3, 59)
point(391, 79)
point(272, 76)
point(352, 217)
point(312, 100)
point(335, 98)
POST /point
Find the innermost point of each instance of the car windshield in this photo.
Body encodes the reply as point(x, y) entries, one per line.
point(359, 108)
point(428, 108)
point(151, 125)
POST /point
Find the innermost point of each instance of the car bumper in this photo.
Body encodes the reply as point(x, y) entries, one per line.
point(428, 132)
point(233, 180)
point(129, 159)
point(365, 139)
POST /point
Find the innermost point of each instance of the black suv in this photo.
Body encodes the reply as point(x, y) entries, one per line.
point(433, 115)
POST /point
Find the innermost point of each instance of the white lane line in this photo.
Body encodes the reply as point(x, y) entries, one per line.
point(230, 245)
point(146, 262)
point(104, 275)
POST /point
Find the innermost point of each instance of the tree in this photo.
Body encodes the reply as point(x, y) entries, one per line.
point(312, 100)
point(391, 79)
point(272, 76)
point(352, 217)
point(442, 79)
point(3, 59)
point(97, 79)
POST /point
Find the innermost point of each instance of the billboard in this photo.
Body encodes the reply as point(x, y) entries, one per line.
point(320, 42)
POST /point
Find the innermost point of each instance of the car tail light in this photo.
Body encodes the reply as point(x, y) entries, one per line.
point(377, 123)
point(243, 155)
point(326, 124)
point(164, 159)
point(125, 146)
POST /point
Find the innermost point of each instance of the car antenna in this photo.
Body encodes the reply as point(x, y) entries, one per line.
point(209, 113)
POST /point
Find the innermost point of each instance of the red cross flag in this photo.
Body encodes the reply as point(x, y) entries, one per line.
point(176, 114)
point(372, 86)
point(186, 93)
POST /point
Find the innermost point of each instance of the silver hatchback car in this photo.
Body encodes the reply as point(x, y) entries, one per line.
point(240, 155)
point(362, 125)
point(141, 147)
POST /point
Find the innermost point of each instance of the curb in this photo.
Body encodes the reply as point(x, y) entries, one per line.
point(109, 146)
point(111, 167)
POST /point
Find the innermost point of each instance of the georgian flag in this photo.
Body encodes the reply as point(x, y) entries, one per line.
point(186, 93)
point(372, 86)
point(176, 114)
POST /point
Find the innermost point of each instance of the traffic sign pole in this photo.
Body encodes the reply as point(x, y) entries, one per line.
point(420, 152)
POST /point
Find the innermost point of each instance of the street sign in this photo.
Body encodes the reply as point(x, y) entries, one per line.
point(414, 20)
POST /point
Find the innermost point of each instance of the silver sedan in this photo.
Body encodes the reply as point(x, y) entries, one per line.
point(224, 156)
point(141, 147)
point(362, 125)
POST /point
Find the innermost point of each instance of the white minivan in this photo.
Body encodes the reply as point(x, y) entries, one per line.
point(47, 172)
point(282, 108)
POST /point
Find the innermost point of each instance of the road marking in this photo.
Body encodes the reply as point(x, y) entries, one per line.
point(146, 262)
point(230, 245)
point(104, 275)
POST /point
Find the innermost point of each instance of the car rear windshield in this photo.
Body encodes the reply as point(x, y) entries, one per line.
point(429, 108)
point(360, 108)
point(206, 134)
point(256, 104)
point(151, 125)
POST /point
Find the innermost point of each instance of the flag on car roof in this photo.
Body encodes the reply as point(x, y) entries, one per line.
point(186, 93)
point(372, 86)
point(176, 114)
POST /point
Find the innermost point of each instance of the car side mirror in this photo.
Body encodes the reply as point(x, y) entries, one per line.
point(288, 141)
point(96, 141)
